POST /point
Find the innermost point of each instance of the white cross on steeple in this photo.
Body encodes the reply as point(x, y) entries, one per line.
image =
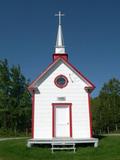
point(59, 49)
point(59, 15)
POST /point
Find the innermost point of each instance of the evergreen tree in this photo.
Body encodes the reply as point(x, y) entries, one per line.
point(15, 100)
point(110, 101)
point(106, 108)
point(20, 100)
point(4, 93)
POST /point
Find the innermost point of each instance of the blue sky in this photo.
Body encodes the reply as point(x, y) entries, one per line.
point(91, 31)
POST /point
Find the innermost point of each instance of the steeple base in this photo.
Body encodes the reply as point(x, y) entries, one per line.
point(63, 56)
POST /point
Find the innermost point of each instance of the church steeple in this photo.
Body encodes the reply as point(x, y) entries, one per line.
point(59, 48)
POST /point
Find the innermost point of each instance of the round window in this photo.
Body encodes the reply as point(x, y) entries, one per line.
point(61, 81)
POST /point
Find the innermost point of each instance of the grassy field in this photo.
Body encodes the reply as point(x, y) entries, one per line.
point(109, 149)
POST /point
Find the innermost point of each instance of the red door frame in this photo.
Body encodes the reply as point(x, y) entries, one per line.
point(54, 105)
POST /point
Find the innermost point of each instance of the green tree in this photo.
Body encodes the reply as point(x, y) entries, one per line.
point(15, 100)
point(96, 116)
point(20, 100)
point(4, 93)
point(106, 108)
point(110, 101)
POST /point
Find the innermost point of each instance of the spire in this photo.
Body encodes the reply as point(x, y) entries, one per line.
point(59, 48)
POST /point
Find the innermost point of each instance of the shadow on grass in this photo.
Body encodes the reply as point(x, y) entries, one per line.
point(99, 136)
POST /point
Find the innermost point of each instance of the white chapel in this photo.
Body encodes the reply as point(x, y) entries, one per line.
point(61, 111)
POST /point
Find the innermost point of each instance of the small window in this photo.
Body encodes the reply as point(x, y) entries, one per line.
point(61, 81)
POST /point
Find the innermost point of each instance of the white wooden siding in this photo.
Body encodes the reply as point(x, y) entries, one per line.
point(74, 93)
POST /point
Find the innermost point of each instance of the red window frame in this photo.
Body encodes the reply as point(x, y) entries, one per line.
point(61, 85)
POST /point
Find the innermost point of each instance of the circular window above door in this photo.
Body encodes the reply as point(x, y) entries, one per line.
point(61, 81)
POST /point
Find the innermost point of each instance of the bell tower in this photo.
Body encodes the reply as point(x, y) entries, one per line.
point(59, 47)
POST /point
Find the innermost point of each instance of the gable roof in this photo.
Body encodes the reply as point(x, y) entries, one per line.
point(90, 84)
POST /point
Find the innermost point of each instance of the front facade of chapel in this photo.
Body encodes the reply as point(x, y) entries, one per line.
point(61, 100)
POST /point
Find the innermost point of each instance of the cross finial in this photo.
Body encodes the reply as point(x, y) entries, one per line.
point(59, 15)
point(59, 48)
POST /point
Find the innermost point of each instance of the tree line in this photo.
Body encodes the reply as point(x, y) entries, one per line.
point(15, 100)
point(106, 108)
point(15, 103)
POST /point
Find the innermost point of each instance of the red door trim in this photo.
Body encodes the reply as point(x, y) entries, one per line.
point(53, 119)
point(54, 105)
point(70, 115)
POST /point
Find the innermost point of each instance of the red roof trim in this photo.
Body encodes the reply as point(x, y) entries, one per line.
point(30, 87)
point(52, 64)
point(93, 86)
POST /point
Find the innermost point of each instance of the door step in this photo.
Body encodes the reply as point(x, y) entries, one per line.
point(62, 146)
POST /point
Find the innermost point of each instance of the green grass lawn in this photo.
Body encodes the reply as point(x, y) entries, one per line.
point(109, 149)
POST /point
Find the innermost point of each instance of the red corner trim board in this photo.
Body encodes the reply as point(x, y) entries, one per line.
point(33, 103)
point(90, 115)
